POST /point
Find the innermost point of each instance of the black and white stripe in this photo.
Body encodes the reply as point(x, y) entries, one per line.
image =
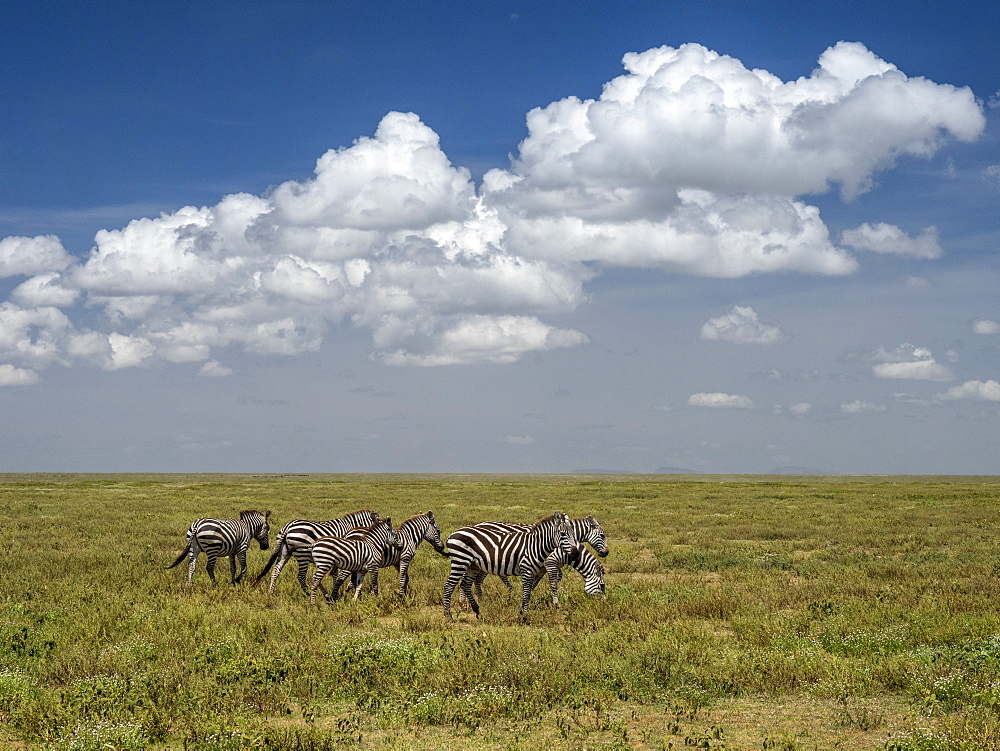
point(581, 560)
point(295, 538)
point(585, 564)
point(505, 553)
point(362, 552)
point(225, 537)
point(587, 529)
point(412, 532)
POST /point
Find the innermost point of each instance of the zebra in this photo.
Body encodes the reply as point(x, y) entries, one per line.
point(591, 569)
point(293, 541)
point(587, 529)
point(521, 552)
point(412, 532)
point(225, 537)
point(580, 559)
point(362, 553)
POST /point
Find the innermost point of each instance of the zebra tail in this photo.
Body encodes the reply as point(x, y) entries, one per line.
point(181, 557)
point(268, 565)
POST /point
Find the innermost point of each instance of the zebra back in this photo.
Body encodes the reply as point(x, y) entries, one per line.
point(499, 548)
point(304, 532)
point(587, 530)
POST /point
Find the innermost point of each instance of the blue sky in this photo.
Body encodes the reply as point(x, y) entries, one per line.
point(500, 237)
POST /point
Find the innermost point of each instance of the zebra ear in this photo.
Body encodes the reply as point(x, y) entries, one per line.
point(267, 514)
point(430, 515)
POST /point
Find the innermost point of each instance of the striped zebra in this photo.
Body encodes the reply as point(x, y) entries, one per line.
point(509, 553)
point(362, 554)
point(225, 537)
point(412, 532)
point(296, 537)
point(581, 559)
point(587, 529)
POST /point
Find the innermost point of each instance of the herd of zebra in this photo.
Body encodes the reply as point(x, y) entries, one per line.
point(362, 542)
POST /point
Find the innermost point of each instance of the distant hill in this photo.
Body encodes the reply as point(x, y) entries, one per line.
point(793, 470)
point(676, 471)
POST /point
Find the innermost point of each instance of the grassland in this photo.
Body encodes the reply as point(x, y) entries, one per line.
point(742, 613)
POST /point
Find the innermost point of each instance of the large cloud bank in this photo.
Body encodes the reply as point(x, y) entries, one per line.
point(689, 162)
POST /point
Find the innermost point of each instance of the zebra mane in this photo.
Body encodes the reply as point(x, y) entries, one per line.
point(354, 514)
point(427, 515)
point(553, 518)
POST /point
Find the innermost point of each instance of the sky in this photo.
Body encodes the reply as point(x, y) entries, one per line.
point(503, 236)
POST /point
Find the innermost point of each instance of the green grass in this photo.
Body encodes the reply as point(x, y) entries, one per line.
point(781, 613)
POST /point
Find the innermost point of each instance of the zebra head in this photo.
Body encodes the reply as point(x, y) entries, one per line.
point(260, 530)
point(593, 580)
point(595, 536)
point(432, 532)
point(392, 537)
point(382, 533)
point(565, 538)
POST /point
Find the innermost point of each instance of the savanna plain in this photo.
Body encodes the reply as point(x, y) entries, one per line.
point(741, 613)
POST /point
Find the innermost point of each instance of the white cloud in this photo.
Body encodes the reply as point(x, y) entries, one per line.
point(981, 390)
point(44, 290)
point(11, 376)
point(859, 407)
point(741, 326)
point(689, 162)
point(888, 238)
point(992, 172)
point(802, 408)
point(32, 255)
point(720, 401)
point(908, 361)
point(480, 338)
point(986, 327)
point(214, 369)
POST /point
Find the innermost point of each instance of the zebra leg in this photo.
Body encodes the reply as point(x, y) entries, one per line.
point(210, 566)
point(467, 591)
point(457, 573)
point(404, 578)
point(506, 582)
point(528, 582)
point(303, 572)
point(278, 566)
point(316, 582)
point(242, 557)
point(555, 574)
point(478, 580)
point(342, 576)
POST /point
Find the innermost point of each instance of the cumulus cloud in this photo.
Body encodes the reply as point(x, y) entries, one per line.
point(718, 400)
point(741, 326)
point(986, 327)
point(908, 361)
point(11, 376)
point(888, 238)
point(980, 390)
point(688, 162)
point(32, 255)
